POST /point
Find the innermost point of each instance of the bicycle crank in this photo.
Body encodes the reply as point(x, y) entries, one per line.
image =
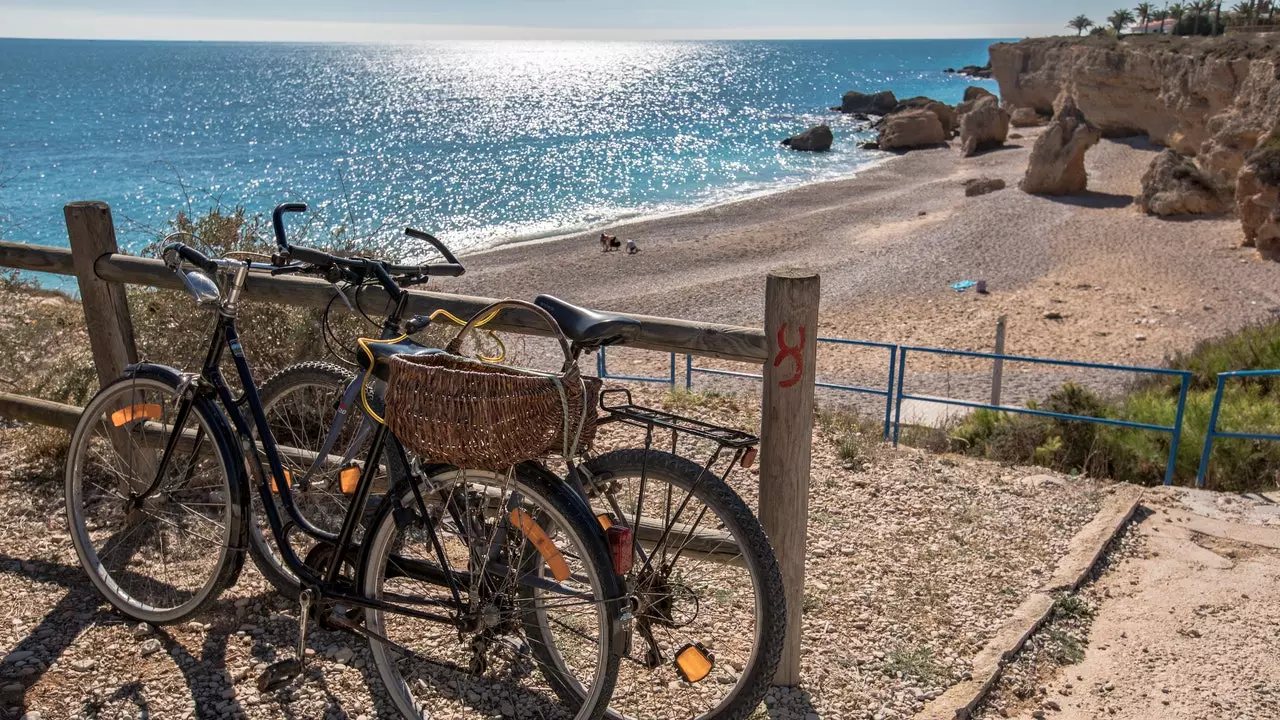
point(281, 673)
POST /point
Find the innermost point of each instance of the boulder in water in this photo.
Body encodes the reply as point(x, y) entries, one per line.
point(1057, 159)
point(881, 103)
point(815, 139)
point(1173, 185)
point(911, 129)
point(984, 126)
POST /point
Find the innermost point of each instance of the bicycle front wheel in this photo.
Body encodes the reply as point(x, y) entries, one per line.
point(517, 546)
point(164, 557)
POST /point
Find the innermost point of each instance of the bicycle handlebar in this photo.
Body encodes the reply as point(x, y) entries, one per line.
point(191, 255)
point(277, 221)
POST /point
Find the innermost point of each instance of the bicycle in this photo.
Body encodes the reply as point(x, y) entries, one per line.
point(447, 575)
point(680, 660)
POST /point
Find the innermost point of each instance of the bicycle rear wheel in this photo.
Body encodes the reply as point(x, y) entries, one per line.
point(164, 558)
point(501, 535)
point(712, 589)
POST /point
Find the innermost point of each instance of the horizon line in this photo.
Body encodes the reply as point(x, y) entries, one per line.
point(28, 24)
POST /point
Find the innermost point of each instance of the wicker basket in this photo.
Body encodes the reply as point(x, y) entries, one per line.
point(460, 411)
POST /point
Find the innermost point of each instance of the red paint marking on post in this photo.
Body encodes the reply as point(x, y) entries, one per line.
point(794, 352)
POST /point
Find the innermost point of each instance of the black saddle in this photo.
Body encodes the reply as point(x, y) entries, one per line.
point(382, 352)
point(588, 327)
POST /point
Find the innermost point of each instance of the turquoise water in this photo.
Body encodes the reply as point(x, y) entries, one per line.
point(481, 143)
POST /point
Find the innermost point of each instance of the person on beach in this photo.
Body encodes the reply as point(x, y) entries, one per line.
point(609, 242)
point(632, 249)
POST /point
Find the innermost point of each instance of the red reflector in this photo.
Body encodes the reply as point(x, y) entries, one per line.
point(619, 548)
point(749, 457)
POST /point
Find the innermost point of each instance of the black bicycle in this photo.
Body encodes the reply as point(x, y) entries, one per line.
point(447, 575)
point(702, 581)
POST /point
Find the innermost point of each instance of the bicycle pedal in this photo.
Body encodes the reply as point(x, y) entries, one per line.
point(342, 618)
point(278, 675)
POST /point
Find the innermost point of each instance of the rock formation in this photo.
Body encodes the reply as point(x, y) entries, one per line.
point(974, 92)
point(1211, 98)
point(1057, 159)
point(1258, 198)
point(984, 126)
point(911, 129)
point(1026, 117)
point(1173, 185)
point(881, 103)
point(815, 139)
point(946, 114)
point(974, 187)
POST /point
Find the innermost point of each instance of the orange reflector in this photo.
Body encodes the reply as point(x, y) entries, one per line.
point(547, 549)
point(288, 481)
point(694, 663)
point(348, 478)
point(606, 522)
point(619, 548)
point(749, 457)
point(136, 412)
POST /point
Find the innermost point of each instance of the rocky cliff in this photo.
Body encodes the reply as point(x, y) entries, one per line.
point(1212, 98)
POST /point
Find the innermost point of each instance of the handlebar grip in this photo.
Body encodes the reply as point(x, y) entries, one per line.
point(193, 256)
point(435, 242)
point(277, 221)
point(318, 258)
point(449, 270)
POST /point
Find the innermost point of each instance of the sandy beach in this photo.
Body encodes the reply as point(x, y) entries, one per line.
point(1129, 288)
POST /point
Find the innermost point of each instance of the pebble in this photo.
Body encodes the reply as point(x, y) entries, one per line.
point(149, 647)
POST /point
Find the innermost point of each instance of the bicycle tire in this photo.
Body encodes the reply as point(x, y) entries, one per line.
point(757, 672)
point(568, 513)
point(125, 393)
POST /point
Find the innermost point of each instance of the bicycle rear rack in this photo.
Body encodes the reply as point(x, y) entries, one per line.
point(626, 411)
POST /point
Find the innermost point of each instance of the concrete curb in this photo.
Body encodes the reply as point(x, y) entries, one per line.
point(1083, 553)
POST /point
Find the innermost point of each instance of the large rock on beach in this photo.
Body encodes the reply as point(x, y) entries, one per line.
point(1173, 185)
point(1258, 199)
point(815, 139)
point(911, 129)
point(946, 114)
point(1057, 159)
point(1026, 117)
point(983, 127)
point(976, 92)
point(881, 103)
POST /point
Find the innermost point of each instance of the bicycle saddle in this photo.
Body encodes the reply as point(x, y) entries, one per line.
point(588, 327)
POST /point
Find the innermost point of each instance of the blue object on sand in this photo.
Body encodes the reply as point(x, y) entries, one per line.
point(963, 285)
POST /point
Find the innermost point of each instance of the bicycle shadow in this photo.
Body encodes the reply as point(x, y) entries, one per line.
point(791, 703)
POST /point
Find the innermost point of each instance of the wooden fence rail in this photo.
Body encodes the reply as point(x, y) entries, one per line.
point(787, 356)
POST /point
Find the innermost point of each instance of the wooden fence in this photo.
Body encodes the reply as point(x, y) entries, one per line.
point(786, 349)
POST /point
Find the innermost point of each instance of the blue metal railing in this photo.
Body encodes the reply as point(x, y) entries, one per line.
point(603, 371)
point(1213, 420)
point(1174, 430)
point(690, 369)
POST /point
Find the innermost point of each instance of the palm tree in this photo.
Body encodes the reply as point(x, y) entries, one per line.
point(1243, 12)
point(1217, 18)
point(1080, 23)
point(1196, 8)
point(1160, 16)
point(1119, 19)
point(1176, 11)
point(1143, 10)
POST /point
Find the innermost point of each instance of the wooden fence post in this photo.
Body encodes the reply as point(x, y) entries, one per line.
point(997, 366)
point(106, 309)
point(786, 436)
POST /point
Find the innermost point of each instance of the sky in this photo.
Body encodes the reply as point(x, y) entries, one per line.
point(424, 20)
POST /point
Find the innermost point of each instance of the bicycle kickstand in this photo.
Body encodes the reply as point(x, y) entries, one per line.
point(281, 673)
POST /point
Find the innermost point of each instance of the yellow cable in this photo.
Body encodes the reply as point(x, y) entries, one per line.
point(364, 382)
point(502, 348)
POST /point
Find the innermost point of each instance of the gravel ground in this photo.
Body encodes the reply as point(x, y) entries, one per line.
point(915, 560)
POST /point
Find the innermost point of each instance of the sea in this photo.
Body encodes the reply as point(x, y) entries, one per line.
point(480, 143)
